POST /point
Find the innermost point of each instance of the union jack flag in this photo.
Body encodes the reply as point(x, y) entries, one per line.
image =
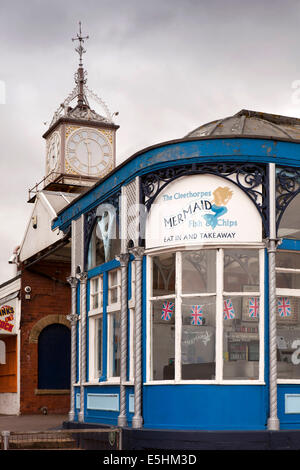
point(254, 307)
point(284, 307)
point(229, 313)
point(196, 315)
point(167, 310)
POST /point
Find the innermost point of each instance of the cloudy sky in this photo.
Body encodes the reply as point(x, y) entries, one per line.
point(166, 66)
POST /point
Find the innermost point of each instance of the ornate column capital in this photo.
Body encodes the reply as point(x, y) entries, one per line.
point(72, 281)
point(123, 258)
point(272, 244)
point(73, 318)
point(137, 252)
point(82, 277)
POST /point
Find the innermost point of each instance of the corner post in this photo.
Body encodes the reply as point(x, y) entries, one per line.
point(123, 258)
point(83, 282)
point(273, 421)
point(73, 318)
point(137, 420)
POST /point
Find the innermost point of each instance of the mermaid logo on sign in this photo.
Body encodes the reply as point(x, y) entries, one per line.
point(221, 197)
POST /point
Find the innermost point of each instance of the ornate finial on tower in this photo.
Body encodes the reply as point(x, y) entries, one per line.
point(80, 49)
point(82, 109)
point(80, 79)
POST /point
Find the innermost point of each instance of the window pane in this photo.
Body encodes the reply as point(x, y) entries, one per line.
point(115, 344)
point(113, 278)
point(288, 337)
point(98, 348)
point(288, 280)
point(289, 226)
point(241, 270)
point(199, 271)
point(104, 243)
point(164, 274)
point(241, 337)
point(95, 301)
point(113, 286)
point(288, 259)
point(198, 338)
point(163, 339)
point(95, 251)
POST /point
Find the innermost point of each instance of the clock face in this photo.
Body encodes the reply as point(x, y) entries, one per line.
point(88, 152)
point(53, 151)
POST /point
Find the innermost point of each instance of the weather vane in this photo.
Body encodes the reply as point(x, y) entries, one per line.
point(80, 49)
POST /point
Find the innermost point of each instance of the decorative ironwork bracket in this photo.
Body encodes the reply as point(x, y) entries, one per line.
point(287, 187)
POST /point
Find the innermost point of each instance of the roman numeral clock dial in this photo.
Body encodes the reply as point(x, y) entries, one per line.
point(88, 152)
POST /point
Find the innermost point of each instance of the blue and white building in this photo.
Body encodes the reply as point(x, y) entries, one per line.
point(186, 283)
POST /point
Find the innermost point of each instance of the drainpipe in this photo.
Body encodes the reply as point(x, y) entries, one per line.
point(73, 318)
point(273, 421)
point(83, 281)
point(137, 420)
point(123, 258)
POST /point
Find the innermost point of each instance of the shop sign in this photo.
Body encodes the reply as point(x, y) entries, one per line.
point(202, 209)
point(8, 317)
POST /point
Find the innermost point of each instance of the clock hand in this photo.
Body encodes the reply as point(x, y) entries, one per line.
point(89, 153)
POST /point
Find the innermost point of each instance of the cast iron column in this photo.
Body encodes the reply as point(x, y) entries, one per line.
point(73, 318)
point(137, 420)
point(273, 421)
point(83, 281)
point(123, 258)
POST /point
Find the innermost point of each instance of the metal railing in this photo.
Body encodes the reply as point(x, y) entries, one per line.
point(76, 439)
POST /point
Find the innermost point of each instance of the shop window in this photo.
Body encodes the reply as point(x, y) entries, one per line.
point(288, 315)
point(207, 325)
point(104, 242)
point(113, 343)
point(104, 326)
point(96, 327)
point(289, 226)
point(54, 357)
point(113, 323)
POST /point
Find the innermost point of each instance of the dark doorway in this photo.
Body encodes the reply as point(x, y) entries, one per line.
point(54, 357)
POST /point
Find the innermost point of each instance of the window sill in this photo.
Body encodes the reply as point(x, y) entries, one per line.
point(206, 382)
point(106, 382)
point(288, 381)
point(51, 392)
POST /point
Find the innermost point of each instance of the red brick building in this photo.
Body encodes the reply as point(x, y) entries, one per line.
point(46, 308)
point(34, 305)
point(35, 359)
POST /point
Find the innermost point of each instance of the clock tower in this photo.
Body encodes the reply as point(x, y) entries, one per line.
point(80, 143)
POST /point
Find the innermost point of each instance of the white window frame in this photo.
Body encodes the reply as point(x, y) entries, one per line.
point(112, 307)
point(177, 297)
point(93, 315)
point(286, 292)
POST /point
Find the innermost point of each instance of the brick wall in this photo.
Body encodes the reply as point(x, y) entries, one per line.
point(50, 302)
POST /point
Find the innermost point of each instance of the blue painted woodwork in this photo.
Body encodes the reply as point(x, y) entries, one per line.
point(105, 416)
point(205, 407)
point(179, 153)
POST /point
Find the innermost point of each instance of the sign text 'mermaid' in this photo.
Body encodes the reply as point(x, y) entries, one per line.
point(173, 221)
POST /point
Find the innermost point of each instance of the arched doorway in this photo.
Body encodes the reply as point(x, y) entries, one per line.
point(54, 357)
